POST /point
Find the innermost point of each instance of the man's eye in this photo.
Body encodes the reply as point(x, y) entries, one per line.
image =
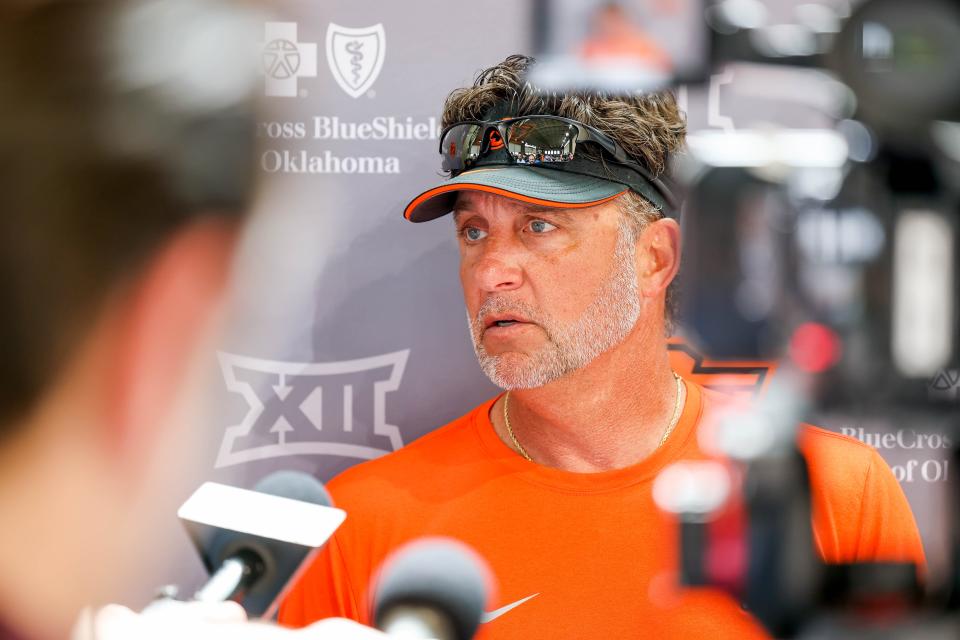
point(473, 234)
point(541, 226)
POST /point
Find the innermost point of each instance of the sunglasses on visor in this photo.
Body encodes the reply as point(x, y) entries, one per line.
point(537, 140)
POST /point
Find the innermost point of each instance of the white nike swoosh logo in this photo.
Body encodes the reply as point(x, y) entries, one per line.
point(489, 616)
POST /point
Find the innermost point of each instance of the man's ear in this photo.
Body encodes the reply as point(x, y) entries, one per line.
point(161, 323)
point(658, 253)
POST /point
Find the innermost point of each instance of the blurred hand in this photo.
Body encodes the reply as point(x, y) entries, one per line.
point(176, 620)
point(337, 629)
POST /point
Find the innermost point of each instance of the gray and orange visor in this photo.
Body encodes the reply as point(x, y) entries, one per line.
point(578, 183)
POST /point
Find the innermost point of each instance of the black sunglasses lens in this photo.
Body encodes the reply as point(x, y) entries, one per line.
point(542, 140)
point(460, 146)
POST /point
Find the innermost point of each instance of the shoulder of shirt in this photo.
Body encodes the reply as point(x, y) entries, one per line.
point(444, 447)
point(814, 436)
point(834, 453)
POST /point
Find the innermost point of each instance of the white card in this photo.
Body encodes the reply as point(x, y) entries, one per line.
point(259, 514)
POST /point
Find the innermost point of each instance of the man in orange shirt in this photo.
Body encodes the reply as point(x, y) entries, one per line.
point(566, 270)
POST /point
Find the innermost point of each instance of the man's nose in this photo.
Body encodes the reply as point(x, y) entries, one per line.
point(498, 269)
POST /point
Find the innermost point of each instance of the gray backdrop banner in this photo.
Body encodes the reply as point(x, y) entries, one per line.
point(348, 337)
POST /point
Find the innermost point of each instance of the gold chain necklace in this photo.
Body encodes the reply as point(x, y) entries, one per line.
point(666, 432)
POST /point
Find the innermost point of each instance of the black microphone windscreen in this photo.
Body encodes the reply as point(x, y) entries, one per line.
point(440, 574)
point(295, 485)
point(270, 537)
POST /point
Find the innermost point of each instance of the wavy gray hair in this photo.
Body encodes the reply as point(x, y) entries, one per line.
point(649, 127)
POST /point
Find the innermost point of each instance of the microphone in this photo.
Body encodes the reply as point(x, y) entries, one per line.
point(432, 588)
point(255, 543)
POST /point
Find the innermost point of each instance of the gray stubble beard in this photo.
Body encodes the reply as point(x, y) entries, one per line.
point(604, 324)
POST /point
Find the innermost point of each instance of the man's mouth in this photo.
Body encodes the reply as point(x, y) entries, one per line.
point(501, 321)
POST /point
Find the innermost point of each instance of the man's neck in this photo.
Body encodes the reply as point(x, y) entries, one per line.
point(608, 415)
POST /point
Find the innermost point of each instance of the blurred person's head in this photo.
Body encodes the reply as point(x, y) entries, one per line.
point(610, 20)
point(559, 266)
point(115, 241)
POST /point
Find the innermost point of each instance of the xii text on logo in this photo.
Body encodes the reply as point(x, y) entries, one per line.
point(330, 408)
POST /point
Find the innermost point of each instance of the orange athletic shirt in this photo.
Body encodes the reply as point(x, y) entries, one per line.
point(594, 552)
